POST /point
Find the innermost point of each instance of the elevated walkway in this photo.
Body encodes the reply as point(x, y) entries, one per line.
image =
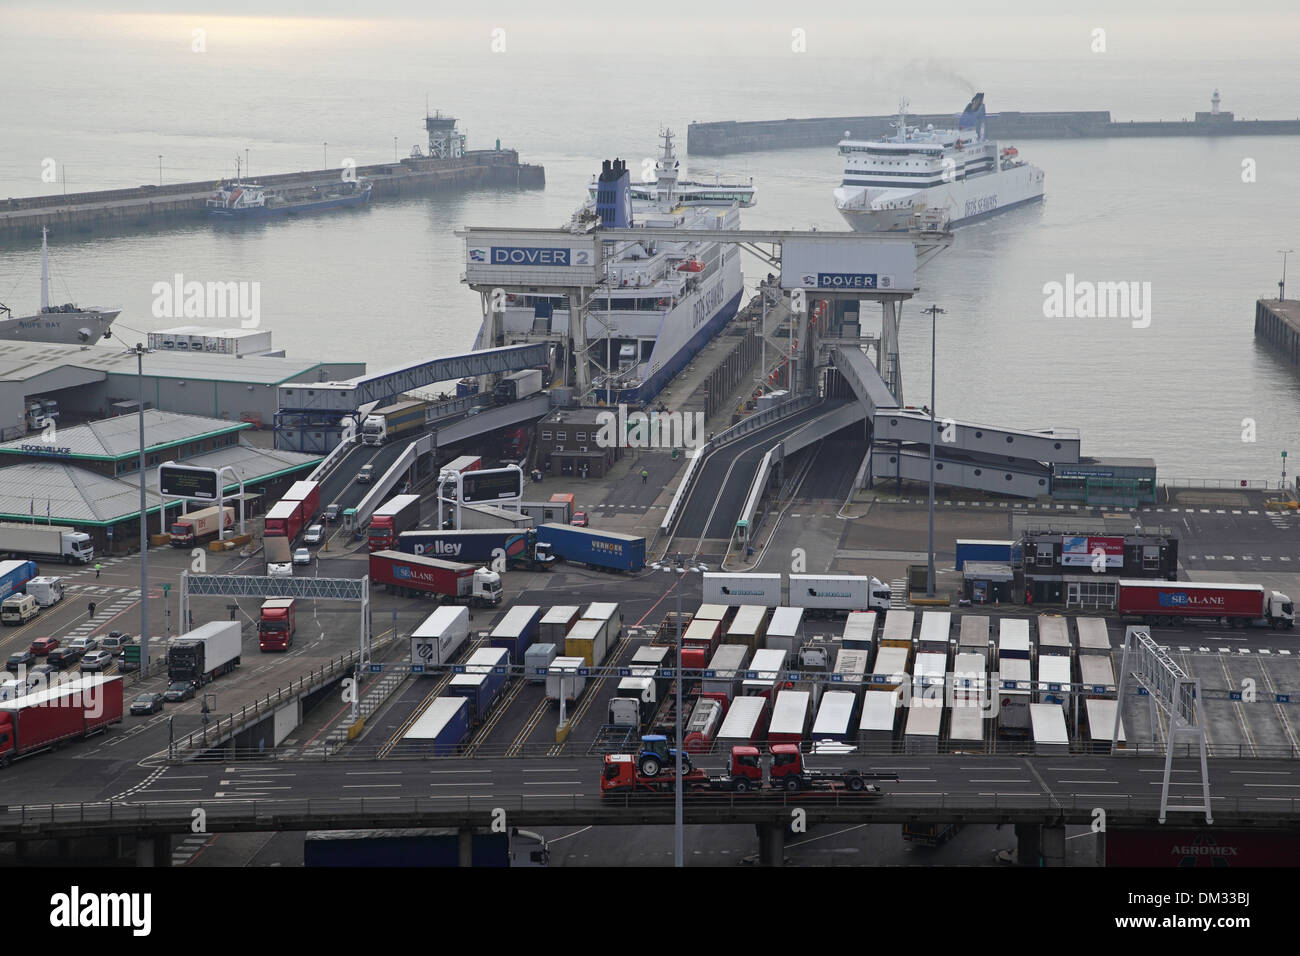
point(1021, 478)
point(1058, 445)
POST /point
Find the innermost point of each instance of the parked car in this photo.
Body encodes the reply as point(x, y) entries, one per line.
point(146, 704)
point(314, 535)
point(365, 475)
point(43, 645)
point(20, 659)
point(579, 518)
point(62, 658)
point(333, 511)
point(42, 671)
point(85, 644)
point(178, 691)
point(96, 661)
point(302, 556)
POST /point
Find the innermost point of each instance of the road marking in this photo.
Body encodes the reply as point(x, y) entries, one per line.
point(1103, 782)
point(1290, 786)
point(373, 773)
point(1263, 773)
point(990, 780)
point(477, 783)
point(364, 786)
point(549, 783)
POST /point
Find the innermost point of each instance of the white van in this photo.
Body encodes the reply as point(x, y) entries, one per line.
point(46, 590)
point(18, 609)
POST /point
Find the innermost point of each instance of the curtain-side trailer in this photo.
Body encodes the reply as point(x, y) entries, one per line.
point(748, 627)
point(443, 726)
point(764, 674)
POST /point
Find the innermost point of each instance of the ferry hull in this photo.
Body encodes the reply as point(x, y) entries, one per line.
point(85, 327)
point(961, 203)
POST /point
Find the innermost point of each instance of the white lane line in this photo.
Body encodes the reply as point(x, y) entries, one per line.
point(989, 780)
point(1290, 786)
point(550, 783)
point(373, 773)
point(477, 783)
point(476, 771)
point(1264, 773)
point(1100, 782)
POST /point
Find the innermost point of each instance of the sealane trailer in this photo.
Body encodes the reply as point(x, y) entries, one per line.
point(1172, 602)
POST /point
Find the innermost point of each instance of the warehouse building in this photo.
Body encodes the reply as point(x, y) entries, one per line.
point(88, 476)
point(92, 382)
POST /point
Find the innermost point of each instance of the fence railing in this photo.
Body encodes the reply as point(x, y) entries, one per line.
point(1239, 484)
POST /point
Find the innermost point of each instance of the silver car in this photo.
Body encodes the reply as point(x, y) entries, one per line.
point(302, 556)
point(313, 534)
point(96, 661)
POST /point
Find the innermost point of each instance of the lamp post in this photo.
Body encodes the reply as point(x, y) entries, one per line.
point(139, 351)
point(934, 311)
point(1281, 286)
point(679, 859)
point(160, 169)
point(326, 148)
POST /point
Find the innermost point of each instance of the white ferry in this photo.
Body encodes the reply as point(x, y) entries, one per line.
point(688, 192)
point(662, 301)
point(948, 177)
point(66, 324)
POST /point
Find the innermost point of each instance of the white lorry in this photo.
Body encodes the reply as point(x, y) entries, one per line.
point(45, 542)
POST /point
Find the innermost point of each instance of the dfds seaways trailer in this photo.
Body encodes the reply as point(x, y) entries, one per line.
point(733, 589)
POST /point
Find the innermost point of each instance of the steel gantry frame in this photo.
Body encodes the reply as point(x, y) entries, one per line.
point(318, 589)
point(1178, 697)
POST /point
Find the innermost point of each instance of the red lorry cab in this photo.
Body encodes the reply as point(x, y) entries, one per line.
point(275, 628)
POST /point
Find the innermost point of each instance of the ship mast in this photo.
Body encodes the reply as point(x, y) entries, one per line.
point(45, 273)
point(666, 182)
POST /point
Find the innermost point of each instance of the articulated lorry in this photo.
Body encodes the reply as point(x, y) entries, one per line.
point(398, 514)
point(838, 594)
point(14, 576)
point(393, 420)
point(604, 550)
point(199, 526)
point(412, 575)
point(44, 719)
point(43, 542)
point(205, 653)
point(1173, 602)
point(518, 385)
point(499, 548)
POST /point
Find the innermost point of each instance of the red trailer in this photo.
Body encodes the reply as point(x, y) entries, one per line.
point(411, 574)
point(308, 492)
point(399, 514)
point(284, 520)
point(1172, 602)
point(66, 711)
point(699, 642)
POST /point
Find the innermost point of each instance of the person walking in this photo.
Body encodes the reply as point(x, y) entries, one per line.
point(644, 475)
point(97, 567)
point(91, 608)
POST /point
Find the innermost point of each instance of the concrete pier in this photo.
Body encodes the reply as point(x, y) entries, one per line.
point(1277, 322)
point(741, 137)
point(116, 210)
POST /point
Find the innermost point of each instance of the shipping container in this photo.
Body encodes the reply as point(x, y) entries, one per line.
point(517, 630)
point(860, 630)
point(1097, 675)
point(921, 731)
point(587, 640)
point(936, 631)
point(993, 552)
point(890, 671)
point(728, 669)
point(748, 627)
point(438, 639)
point(835, 716)
point(538, 659)
point(1094, 636)
point(703, 725)
point(606, 550)
point(556, 622)
point(783, 629)
point(764, 674)
point(1101, 724)
point(879, 719)
point(563, 679)
point(790, 715)
point(745, 722)
point(1053, 635)
point(443, 726)
point(974, 637)
point(610, 618)
point(1050, 737)
point(1054, 681)
point(734, 589)
point(897, 630)
point(484, 679)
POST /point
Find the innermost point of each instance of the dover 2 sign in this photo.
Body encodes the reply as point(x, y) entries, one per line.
point(181, 481)
point(535, 257)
